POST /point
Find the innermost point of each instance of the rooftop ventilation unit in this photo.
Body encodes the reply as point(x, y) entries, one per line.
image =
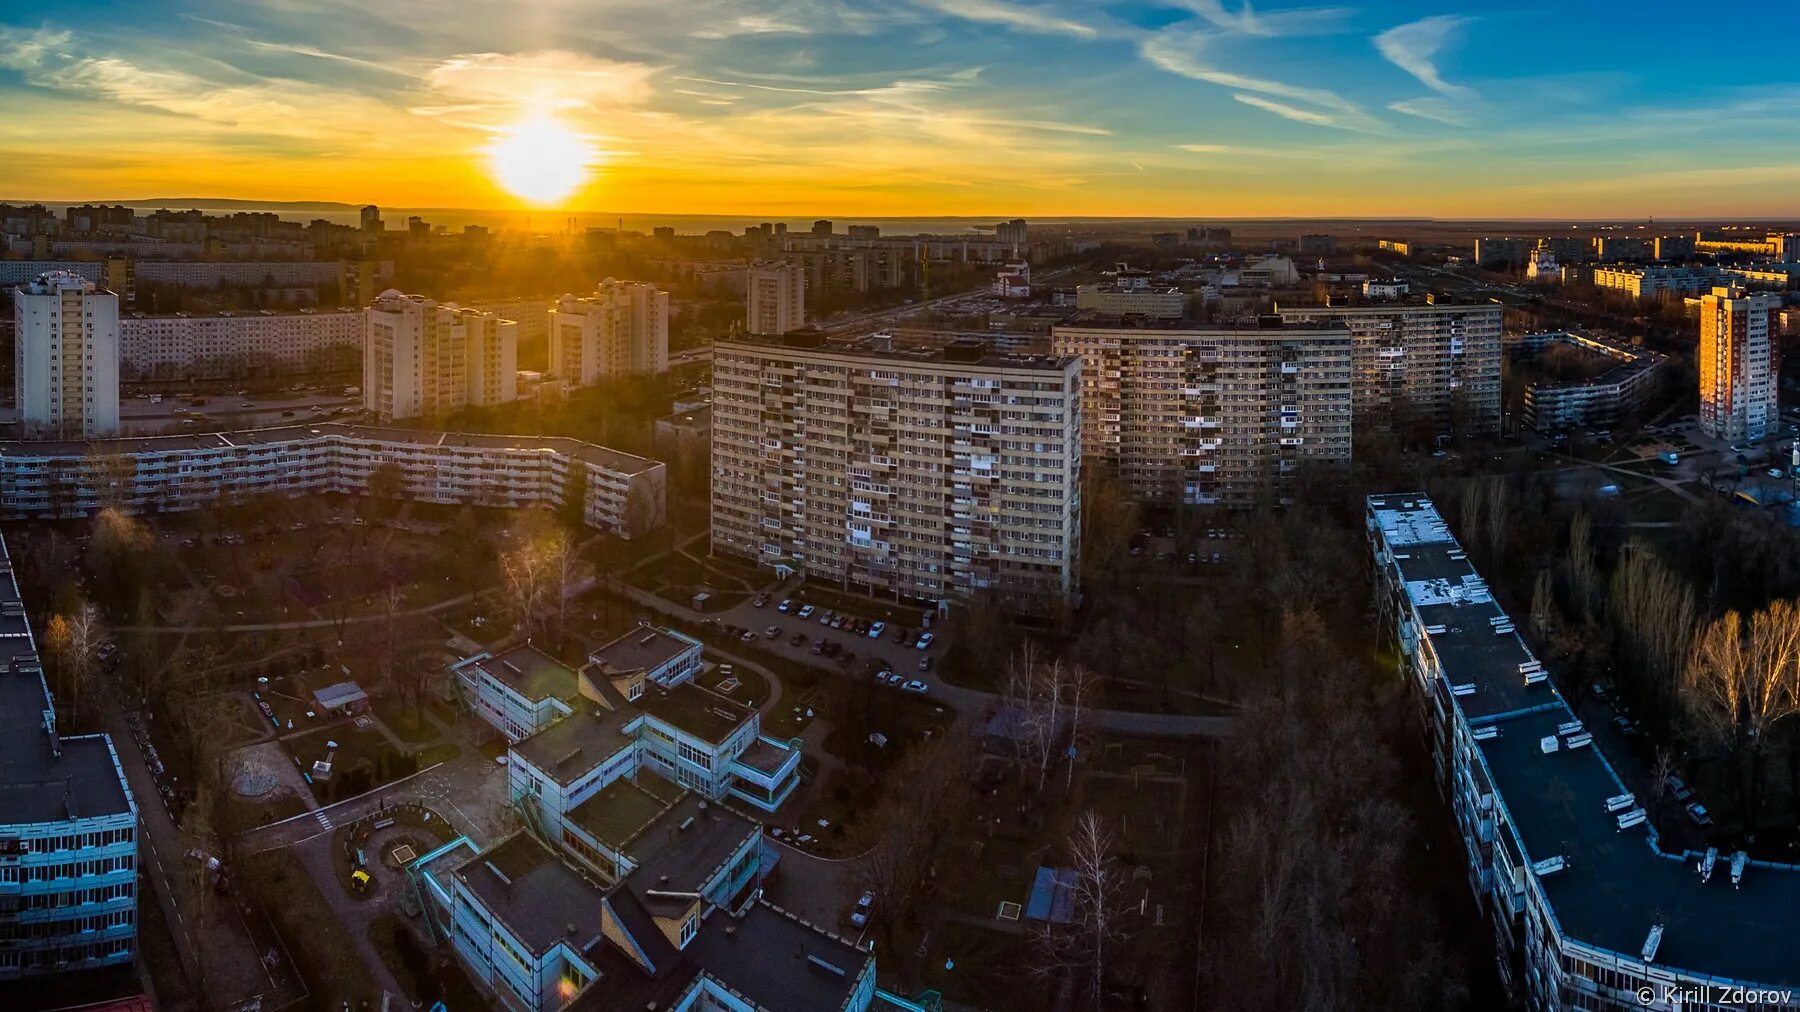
point(1707, 863)
point(1635, 817)
point(1652, 942)
point(1549, 743)
point(1581, 740)
point(1533, 670)
point(1464, 689)
point(1739, 861)
point(1569, 727)
point(1504, 628)
point(1485, 732)
point(1620, 802)
point(1549, 865)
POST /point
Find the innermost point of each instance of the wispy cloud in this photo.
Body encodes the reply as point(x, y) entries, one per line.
point(1179, 52)
point(1433, 108)
point(1024, 16)
point(1413, 47)
point(1246, 20)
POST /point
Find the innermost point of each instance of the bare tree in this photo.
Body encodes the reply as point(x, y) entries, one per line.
point(1083, 947)
point(1584, 578)
point(1741, 682)
point(73, 642)
point(1543, 606)
point(1653, 611)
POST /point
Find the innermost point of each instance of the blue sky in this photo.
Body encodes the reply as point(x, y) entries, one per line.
point(1185, 108)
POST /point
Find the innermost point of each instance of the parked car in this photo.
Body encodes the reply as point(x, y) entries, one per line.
point(864, 905)
point(818, 646)
point(806, 611)
point(1698, 813)
point(1625, 725)
point(924, 642)
point(759, 600)
point(797, 639)
point(1678, 790)
point(925, 663)
point(773, 632)
point(749, 636)
point(786, 603)
point(876, 630)
point(915, 686)
point(826, 616)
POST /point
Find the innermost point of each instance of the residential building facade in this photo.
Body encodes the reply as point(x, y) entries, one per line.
point(623, 493)
point(926, 473)
point(1643, 282)
point(622, 329)
point(422, 358)
point(1435, 358)
point(775, 301)
point(1739, 361)
point(1551, 405)
point(68, 824)
point(66, 357)
point(204, 346)
point(1589, 908)
point(1204, 414)
point(1118, 300)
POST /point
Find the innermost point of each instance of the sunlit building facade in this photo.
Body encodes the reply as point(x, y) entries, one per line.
point(1738, 361)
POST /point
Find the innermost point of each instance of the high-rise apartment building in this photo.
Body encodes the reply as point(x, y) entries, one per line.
point(928, 474)
point(1738, 360)
point(822, 227)
point(421, 357)
point(1208, 414)
point(1014, 231)
point(775, 298)
point(371, 219)
point(66, 357)
point(1435, 359)
point(623, 328)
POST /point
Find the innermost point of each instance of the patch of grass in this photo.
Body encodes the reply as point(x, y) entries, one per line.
point(408, 723)
point(439, 754)
point(241, 813)
point(326, 958)
point(362, 759)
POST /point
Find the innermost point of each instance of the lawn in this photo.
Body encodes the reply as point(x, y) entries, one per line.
point(362, 759)
point(409, 723)
point(325, 957)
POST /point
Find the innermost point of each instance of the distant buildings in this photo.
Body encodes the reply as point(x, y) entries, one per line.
point(1015, 232)
point(1211, 414)
point(371, 219)
point(776, 300)
point(1316, 244)
point(423, 358)
point(1503, 252)
point(166, 474)
point(1394, 246)
point(1643, 282)
point(1269, 272)
point(621, 330)
point(1435, 358)
point(1588, 904)
point(66, 357)
point(1739, 360)
point(1541, 267)
point(1781, 246)
point(863, 231)
point(927, 474)
point(218, 345)
point(1388, 289)
point(1013, 281)
point(1625, 385)
point(68, 824)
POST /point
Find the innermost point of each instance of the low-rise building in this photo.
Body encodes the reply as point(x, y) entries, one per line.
point(622, 493)
point(1602, 399)
point(1588, 906)
point(68, 824)
point(188, 346)
point(1643, 282)
point(1122, 300)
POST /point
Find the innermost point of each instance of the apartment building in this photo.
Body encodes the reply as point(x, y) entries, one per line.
point(1123, 300)
point(925, 473)
point(775, 302)
point(1551, 405)
point(835, 270)
point(1643, 282)
point(18, 272)
point(422, 358)
point(620, 330)
point(623, 493)
point(68, 824)
point(1437, 358)
point(1502, 251)
point(1208, 414)
point(531, 315)
point(1739, 362)
point(1589, 908)
point(210, 346)
point(66, 357)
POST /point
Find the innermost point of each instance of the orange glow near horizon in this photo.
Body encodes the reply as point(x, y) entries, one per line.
point(540, 160)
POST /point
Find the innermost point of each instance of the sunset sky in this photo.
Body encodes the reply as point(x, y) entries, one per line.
point(900, 107)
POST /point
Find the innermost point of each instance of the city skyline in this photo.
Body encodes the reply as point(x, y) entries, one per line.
point(1182, 108)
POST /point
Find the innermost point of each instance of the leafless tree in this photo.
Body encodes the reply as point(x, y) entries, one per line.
point(1653, 611)
point(74, 642)
point(1739, 683)
point(1543, 606)
point(1584, 578)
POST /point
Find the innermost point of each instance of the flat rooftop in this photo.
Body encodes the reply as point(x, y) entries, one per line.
point(686, 844)
point(779, 961)
point(700, 712)
point(577, 743)
point(1616, 883)
point(622, 810)
point(1090, 319)
point(532, 673)
point(599, 456)
point(535, 893)
point(41, 779)
point(970, 354)
point(645, 647)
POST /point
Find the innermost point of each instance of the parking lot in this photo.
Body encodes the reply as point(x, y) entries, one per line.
point(812, 633)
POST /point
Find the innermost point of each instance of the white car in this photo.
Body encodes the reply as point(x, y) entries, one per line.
point(806, 611)
point(877, 629)
point(924, 642)
point(915, 686)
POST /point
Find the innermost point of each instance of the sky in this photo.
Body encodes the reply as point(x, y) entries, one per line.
point(1181, 108)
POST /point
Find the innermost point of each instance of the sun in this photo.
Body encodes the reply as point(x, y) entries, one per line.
point(540, 160)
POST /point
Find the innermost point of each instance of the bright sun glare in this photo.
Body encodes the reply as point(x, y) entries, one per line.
point(540, 160)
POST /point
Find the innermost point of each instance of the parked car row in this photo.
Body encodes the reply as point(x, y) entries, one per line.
point(874, 629)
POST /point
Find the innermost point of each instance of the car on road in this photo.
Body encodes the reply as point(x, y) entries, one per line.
point(864, 905)
point(1625, 725)
point(924, 642)
point(925, 663)
point(759, 601)
point(915, 686)
point(773, 632)
point(1698, 813)
point(818, 646)
point(877, 629)
point(749, 636)
point(806, 611)
point(797, 639)
point(786, 604)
